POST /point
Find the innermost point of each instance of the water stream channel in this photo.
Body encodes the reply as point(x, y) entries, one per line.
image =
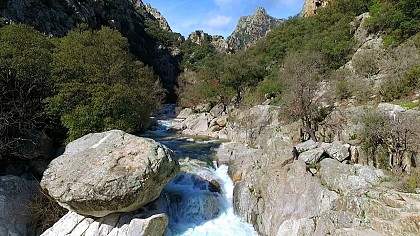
point(199, 201)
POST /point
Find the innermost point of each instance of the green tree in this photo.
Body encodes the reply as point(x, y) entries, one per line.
point(99, 86)
point(239, 72)
point(398, 20)
point(25, 57)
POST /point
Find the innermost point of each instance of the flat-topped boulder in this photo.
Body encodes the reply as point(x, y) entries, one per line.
point(109, 172)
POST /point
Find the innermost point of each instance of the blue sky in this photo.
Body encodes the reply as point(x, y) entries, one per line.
point(218, 17)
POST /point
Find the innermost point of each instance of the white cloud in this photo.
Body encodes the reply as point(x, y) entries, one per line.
point(218, 21)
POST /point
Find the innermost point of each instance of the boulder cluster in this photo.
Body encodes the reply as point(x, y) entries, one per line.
point(106, 181)
point(204, 120)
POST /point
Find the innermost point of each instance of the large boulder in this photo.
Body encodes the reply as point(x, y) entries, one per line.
point(126, 224)
point(109, 172)
point(217, 110)
point(311, 156)
point(15, 197)
point(338, 151)
point(345, 178)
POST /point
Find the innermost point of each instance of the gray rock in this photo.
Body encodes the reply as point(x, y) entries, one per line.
point(255, 125)
point(340, 177)
point(127, 224)
point(222, 121)
point(338, 151)
point(370, 174)
point(203, 107)
point(390, 108)
point(267, 102)
point(15, 196)
point(217, 110)
point(311, 156)
point(197, 122)
point(252, 28)
point(307, 145)
point(184, 113)
point(108, 172)
point(215, 128)
point(301, 227)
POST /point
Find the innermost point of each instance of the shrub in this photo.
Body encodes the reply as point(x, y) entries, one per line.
point(394, 88)
point(299, 79)
point(390, 137)
point(411, 182)
point(366, 63)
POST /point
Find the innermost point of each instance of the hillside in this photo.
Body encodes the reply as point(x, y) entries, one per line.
point(133, 19)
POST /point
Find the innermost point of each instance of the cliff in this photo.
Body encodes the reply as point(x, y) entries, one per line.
point(250, 29)
point(156, 15)
point(310, 7)
point(200, 37)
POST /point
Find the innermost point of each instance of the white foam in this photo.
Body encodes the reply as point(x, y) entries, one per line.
point(225, 224)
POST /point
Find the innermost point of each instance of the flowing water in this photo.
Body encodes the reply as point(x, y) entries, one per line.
point(193, 204)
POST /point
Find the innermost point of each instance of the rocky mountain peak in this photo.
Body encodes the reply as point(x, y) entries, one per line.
point(200, 37)
point(250, 29)
point(310, 7)
point(260, 11)
point(156, 15)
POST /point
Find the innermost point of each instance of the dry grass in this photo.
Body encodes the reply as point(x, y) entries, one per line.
point(44, 211)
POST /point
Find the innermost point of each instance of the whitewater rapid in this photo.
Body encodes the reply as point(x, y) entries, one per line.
point(192, 209)
point(193, 221)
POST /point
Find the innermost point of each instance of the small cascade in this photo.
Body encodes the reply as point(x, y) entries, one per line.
point(198, 201)
point(195, 210)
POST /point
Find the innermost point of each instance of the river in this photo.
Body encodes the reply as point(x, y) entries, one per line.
point(194, 206)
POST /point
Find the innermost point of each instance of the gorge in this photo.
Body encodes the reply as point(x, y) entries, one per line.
point(301, 126)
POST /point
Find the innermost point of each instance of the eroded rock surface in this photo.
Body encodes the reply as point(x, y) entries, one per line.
point(127, 224)
point(15, 197)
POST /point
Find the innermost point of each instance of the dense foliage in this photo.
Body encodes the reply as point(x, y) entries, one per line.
point(220, 78)
point(162, 36)
point(88, 80)
point(98, 84)
point(25, 58)
point(397, 19)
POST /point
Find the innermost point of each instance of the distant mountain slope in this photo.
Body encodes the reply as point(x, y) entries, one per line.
point(252, 28)
point(141, 24)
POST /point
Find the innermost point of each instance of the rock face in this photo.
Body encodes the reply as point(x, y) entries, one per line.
point(250, 29)
point(310, 7)
point(127, 224)
point(158, 17)
point(108, 172)
point(283, 196)
point(15, 195)
point(200, 37)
